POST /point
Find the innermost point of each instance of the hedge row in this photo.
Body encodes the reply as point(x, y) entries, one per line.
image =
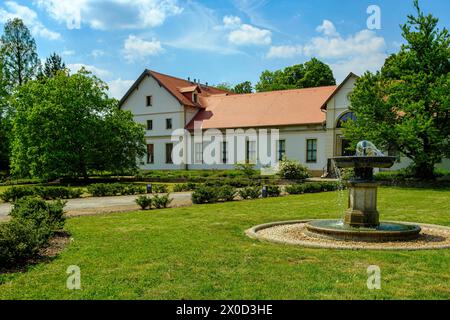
point(47, 193)
point(312, 187)
point(33, 223)
point(114, 189)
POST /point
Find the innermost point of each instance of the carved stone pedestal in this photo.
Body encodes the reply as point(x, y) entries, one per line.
point(362, 205)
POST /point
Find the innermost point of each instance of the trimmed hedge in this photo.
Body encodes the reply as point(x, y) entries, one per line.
point(114, 189)
point(47, 193)
point(312, 187)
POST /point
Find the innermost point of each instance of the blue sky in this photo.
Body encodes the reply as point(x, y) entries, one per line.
point(214, 41)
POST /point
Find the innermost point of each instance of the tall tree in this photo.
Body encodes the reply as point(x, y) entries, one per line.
point(313, 73)
point(21, 62)
point(67, 126)
point(406, 106)
point(4, 121)
point(53, 64)
point(244, 87)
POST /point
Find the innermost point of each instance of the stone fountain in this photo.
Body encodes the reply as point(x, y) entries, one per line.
point(361, 221)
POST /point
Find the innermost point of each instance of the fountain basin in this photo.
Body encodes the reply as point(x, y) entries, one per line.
point(364, 161)
point(384, 232)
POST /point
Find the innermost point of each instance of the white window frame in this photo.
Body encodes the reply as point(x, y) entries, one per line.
point(198, 152)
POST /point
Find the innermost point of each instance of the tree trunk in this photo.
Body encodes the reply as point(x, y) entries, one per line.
point(424, 171)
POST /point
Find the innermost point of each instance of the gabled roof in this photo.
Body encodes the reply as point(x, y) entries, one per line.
point(350, 75)
point(174, 86)
point(264, 109)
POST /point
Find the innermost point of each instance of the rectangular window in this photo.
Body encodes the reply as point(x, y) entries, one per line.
point(149, 101)
point(198, 152)
point(169, 149)
point(150, 153)
point(311, 150)
point(195, 97)
point(224, 152)
point(168, 123)
point(281, 149)
point(251, 152)
point(149, 124)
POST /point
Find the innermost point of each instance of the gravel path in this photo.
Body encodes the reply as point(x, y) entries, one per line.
point(293, 233)
point(97, 205)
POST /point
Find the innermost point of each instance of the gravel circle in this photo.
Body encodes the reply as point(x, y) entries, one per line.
point(293, 233)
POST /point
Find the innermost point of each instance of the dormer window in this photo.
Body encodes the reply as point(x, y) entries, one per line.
point(195, 97)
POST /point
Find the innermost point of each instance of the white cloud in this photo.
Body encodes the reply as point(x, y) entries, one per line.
point(284, 51)
point(111, 14)
point(231, 21)
point(101, 73)
point(327, 28)
point(357, 65)
point(68, 53)
point(357, 53)
point(118, 87)
point(96, 53)
point(244, 34)
point(29, 17)
point(136, 48)
point(365, 42)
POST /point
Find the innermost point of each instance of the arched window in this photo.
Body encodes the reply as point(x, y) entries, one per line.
point(345, 117)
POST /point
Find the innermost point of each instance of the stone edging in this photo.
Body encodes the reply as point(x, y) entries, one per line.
point(253, 234)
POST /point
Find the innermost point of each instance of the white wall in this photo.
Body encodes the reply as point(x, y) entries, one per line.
point(164, 106)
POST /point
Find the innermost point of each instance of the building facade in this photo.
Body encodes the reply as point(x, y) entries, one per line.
point(308, 123)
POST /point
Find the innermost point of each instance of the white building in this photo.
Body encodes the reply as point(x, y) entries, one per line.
point(308, 121)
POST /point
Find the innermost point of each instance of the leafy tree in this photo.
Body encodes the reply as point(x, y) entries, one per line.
point(405, 106)
point(224, 86)
point(316, 74)
point(244, 87)
point(21, 62)
point(67, 127)
point(4, 123)
point(53, 64)
point(313, 73)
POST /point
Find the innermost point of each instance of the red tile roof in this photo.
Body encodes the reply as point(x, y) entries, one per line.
point(264, 109)
point(175, 87)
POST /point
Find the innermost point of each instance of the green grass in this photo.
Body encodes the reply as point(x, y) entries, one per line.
point(201, 252)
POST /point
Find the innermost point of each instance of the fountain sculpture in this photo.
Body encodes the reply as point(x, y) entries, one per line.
point(361, 221)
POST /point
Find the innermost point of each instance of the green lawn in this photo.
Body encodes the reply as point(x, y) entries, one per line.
point(201, 252)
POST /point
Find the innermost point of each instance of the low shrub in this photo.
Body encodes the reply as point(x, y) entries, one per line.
point(47, 193)
point(162, 201)
point(298, 188)
point(160, 188)
point(33, 222)
point(250, 193)
point(205, 194)
point(273, 191)
point(21, 240)
point(247, 169)
point(53, 193)
point(293, 170)
point(114, 189)
point(182, 187)
point(13, 193)
point(144, 202)
point(40, 212)
point(312, 187)
point(227, 193)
